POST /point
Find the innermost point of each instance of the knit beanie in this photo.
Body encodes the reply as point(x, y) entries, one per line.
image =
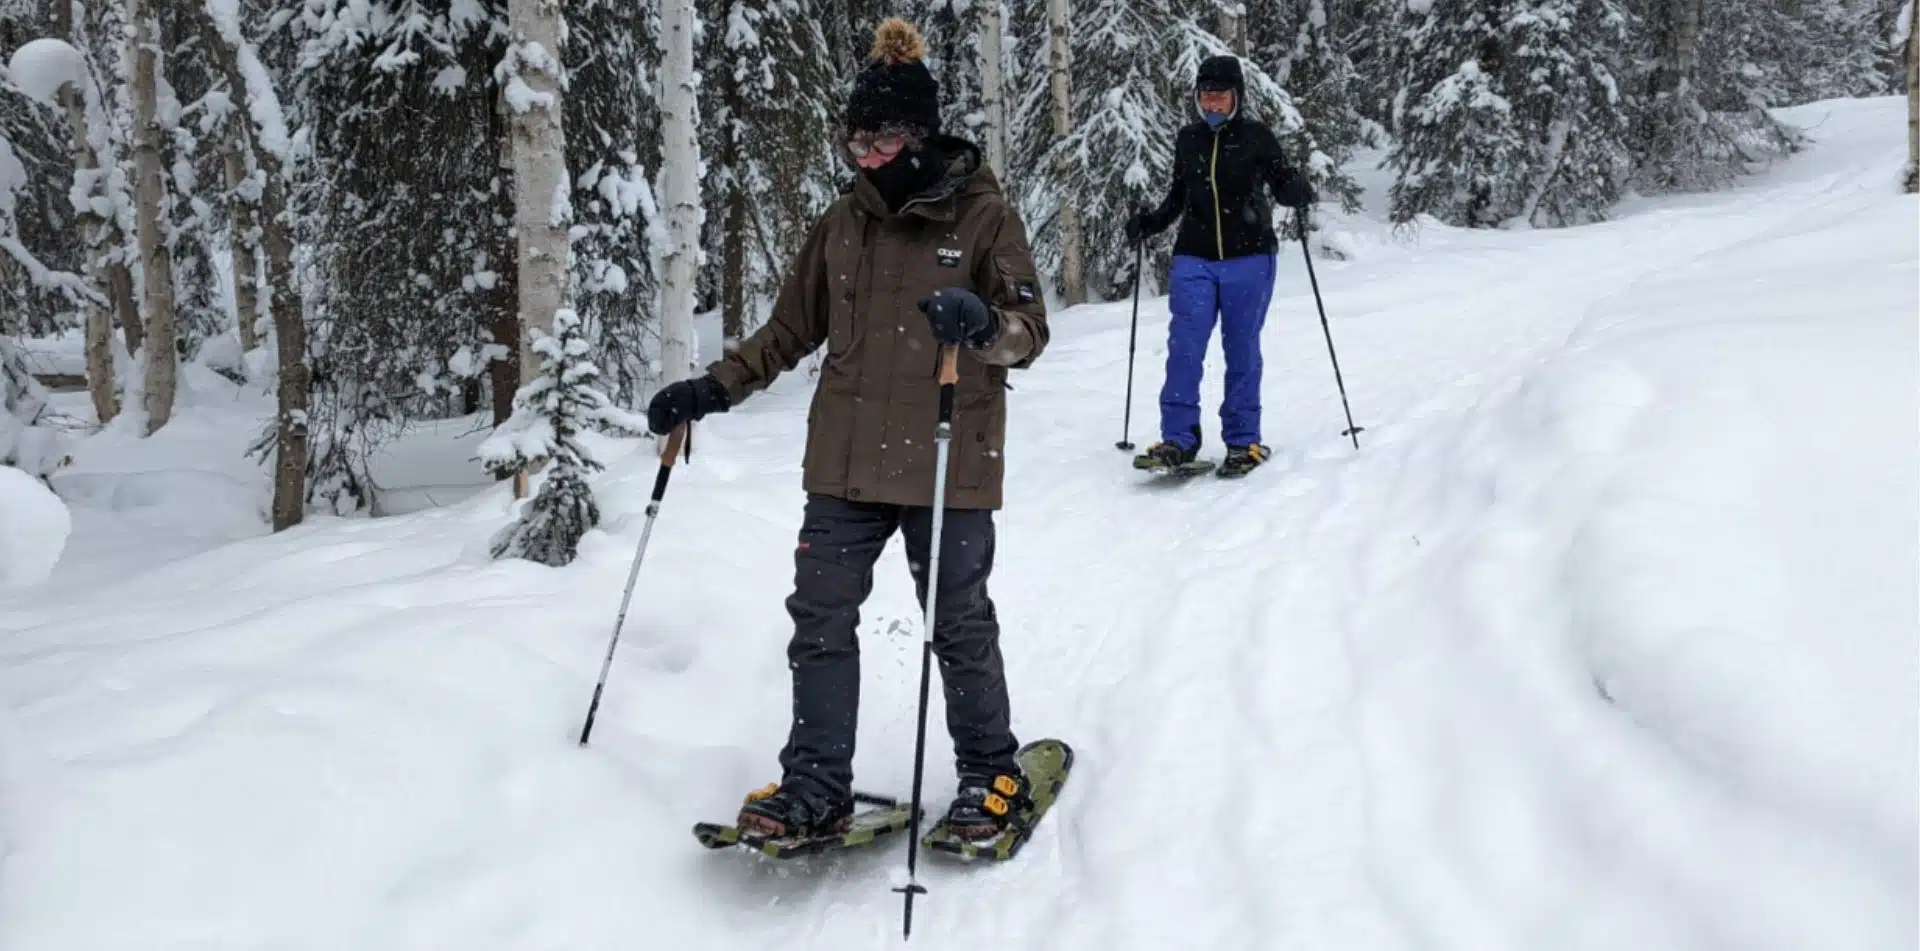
point(895, 88)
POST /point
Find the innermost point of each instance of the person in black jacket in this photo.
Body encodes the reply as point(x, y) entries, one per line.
point(1223, 265)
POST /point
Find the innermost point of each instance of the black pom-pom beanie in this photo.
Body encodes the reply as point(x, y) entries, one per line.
point(895, 88)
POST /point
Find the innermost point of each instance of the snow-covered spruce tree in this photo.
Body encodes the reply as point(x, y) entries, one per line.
point(952, 32)
point(550, 413)
point(40, 246)
point(1509, 112)
point(1839, 39)
point(772, 107)
point(1699, 119)
point(411, 248)
point(1295, 41)
point(611, 112)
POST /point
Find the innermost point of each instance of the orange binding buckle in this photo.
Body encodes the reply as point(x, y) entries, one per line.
point(1005, 786)
point(995, 804)
point(763, 792)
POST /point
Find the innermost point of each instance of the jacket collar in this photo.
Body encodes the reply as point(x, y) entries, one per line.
point(938, 202)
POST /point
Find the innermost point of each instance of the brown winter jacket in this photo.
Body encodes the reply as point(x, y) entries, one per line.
point(856, 286)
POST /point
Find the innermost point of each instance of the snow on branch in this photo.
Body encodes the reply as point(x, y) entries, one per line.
point(262, 102)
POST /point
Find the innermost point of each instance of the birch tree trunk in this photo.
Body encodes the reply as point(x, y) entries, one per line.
point(272, 235)
point(100, 232)
point(993, 93)
point(1073, 280)
point(679, 189)
point(150, 200)
point(126, 305)
point(1230, 25)
point(246, 234)
point(1913, 96)
point(290, 337)
point(542, 212)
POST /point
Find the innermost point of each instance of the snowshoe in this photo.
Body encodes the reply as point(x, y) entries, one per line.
point(994, 822)
point(1173, 458)
point(781, 823)
point(1244, 459)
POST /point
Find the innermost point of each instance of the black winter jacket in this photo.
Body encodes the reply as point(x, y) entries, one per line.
point(1219, 193)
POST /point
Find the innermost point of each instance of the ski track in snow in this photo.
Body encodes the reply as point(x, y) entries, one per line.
point(1521, 673)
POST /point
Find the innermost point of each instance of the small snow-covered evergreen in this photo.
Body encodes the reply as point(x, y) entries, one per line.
point(1509, 112)
point(550, 413)
point(24, 442)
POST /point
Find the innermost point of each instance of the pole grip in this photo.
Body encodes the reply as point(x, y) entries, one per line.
point(949, 375)
point(675, 440)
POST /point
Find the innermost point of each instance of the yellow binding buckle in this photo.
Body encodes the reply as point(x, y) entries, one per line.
point(1005, 786)
point(995, 804)
point(763, 792)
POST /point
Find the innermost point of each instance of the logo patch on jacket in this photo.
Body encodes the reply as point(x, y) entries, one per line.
point(949, 257)
point(1025, 291)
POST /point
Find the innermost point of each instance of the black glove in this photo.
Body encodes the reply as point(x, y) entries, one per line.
point(685, 402)
point(1295, 192)
point(959, 315)
point(1136, 227)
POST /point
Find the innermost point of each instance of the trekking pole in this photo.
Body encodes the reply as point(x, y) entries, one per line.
point(1353, 432)
point(942, 435)
point(681, 436)
point(1133, 338)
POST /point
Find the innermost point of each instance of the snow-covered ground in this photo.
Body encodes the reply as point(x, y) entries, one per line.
point(1606, 638)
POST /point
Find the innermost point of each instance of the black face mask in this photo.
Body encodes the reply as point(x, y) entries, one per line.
point(910, 173)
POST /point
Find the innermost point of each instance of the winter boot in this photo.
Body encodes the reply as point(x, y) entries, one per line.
point(986, 807)
point(778, 812)
point(1244, 459)
point(1166, 456)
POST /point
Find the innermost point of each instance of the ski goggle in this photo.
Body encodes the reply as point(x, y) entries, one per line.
point(861, 144)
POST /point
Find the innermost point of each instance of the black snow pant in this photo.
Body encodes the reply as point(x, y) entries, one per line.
point(840, 541)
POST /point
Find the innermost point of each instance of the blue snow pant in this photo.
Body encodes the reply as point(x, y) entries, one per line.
point(1237, 290)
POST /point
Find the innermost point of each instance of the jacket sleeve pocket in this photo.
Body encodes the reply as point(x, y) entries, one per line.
point(1015, 294)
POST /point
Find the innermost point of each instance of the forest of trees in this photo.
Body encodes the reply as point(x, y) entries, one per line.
point(397, 198)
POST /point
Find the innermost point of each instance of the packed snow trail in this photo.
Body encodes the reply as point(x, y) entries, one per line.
point(1602, 640)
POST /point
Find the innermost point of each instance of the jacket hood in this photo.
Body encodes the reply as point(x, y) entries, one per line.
point(1221, 72)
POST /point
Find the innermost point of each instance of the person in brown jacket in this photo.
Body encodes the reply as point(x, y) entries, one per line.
point(922, 252)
